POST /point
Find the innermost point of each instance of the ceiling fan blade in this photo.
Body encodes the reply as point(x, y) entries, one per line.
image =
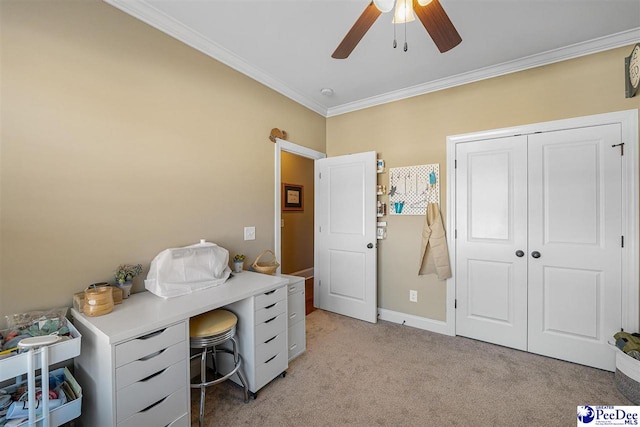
point(355, 34)
point(438, 25)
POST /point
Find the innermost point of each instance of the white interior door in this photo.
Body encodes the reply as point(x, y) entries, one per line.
point(491, 243)
point(346, 254)
point(575, 223)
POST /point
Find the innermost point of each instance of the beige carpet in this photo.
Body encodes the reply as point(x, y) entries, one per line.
point(357, 373)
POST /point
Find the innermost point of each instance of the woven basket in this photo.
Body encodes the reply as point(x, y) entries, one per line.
point(266, 267)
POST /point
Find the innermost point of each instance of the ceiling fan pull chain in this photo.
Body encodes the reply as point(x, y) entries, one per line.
point(406, 46)
point(395, 43)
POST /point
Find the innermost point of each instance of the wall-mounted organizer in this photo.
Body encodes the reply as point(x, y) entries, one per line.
point(411, 188)
point(381, 190)
point(381, 232)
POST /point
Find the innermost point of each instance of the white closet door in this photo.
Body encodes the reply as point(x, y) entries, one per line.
point(491, 223)
point(575, 187)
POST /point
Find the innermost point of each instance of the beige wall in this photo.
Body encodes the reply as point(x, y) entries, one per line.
point(297, 233)
point(117, 142)
point(414, 131)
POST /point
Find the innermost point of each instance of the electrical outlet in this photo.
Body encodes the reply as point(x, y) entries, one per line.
point(413, 296)
point(249, 233)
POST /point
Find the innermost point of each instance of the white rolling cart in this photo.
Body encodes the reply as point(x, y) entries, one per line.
point(43, 352)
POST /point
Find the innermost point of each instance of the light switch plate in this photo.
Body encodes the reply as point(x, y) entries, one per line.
point(249, 233)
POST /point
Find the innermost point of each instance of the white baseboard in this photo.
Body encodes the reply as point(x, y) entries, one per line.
point(437, 326)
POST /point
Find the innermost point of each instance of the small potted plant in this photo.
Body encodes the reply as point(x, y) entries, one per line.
point(238, 263)
point(124, 276)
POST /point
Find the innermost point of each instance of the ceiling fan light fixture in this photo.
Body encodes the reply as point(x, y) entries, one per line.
point(424, 2)
point(403, 12)
point(384, 6)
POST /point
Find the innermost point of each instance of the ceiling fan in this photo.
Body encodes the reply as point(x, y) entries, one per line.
point(430, 13)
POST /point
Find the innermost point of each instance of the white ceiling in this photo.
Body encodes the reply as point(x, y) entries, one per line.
point(287, 44)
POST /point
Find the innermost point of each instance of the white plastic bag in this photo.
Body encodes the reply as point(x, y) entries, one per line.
point(180, 271)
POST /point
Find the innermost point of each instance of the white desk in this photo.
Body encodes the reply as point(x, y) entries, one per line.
point(130, 355)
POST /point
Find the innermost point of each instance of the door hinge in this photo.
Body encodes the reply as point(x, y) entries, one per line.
point(622, 241)
point(455, 164)
point(320, 175)
point(320, 229)
point(455, 303)
point(455, 233)
point(621, 145)
point(319, 282)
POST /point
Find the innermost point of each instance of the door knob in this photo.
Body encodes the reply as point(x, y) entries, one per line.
point(370, 245)
point(535, 254)
point(519, 253)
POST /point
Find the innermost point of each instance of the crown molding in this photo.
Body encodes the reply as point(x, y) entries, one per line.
point(150, 15)
point(145, 12)
point(552, 56)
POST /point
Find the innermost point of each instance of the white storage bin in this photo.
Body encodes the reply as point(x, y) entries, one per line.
point(67, 412)
point(13, 366)
point(627, 376)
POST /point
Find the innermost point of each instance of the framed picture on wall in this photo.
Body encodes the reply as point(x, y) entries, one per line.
point(292, 197)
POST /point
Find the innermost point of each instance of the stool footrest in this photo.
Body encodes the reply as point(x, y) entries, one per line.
point(223, 378)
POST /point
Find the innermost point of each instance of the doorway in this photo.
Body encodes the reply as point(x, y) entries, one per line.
point(294, 232)
point(297, 223)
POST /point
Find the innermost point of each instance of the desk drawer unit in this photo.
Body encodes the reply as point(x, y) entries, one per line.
point(296, 323)
point(270, 311)
point(262, 336)
point(268, 298)
point(162, 413)
point(143, 346)
point(151, 373)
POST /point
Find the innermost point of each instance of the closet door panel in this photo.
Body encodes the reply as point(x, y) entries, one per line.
point(575, 225)
point(491, 215)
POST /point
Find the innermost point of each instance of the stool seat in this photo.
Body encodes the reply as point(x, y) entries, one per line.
point(212, 323)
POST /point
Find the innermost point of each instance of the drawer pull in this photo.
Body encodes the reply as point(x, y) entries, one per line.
point(293, 289)
point(270, 292)
point(293, 315)
point(271, 306)
point(152, 355)
point(270, 339)
point(151, 335)
point(152, 375)
point(292, 347)
point(154, 404)
point(271, 320)
point(270, 359)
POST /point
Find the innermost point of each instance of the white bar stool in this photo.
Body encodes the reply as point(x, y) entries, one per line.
point(208, 331)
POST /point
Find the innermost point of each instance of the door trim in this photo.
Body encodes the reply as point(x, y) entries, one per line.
point(628, 120)
point(290, 147)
